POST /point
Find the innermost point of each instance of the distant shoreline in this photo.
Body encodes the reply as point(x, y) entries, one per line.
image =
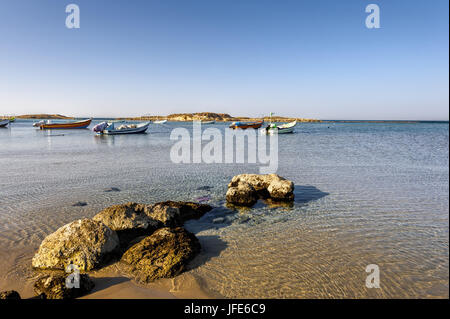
point(219, 117)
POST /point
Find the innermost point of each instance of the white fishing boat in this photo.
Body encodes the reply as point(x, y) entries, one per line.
point(38, 124)
point(115, 129)
point(279, 129)
point(160, 122)
point(4, 123)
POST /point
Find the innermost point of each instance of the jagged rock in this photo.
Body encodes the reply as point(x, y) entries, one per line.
point(164, 254)
point(10, 295)
point(85, 243)
point(54, 287)
point(243, 194)
point(244, 189)
point(173, 214)
point(128, 220)
point(281, 189)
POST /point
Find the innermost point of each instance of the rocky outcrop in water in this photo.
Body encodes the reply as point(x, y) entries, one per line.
point(133, 220)
point(54, 287)
point(164, 254)
point(173, 214)
point(85, 243)
point(9, 295)
point(242, 194)
point(128, 220)
point(245, 189)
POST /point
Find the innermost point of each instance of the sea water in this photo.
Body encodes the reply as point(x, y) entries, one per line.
point(365, 193)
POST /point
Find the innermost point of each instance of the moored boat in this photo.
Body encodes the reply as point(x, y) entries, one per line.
point(4, 123)
point(160, 121)
point(246, 125)
point(67, 125)
point(279, 129)
point(113, 129)
point(37, 124)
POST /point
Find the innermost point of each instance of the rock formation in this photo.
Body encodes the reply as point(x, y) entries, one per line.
point(54, 287)
point(164, 254)
point(245, 189)
point(172, 214)
point(9, 295)
point(128, 220)
point(85, 243)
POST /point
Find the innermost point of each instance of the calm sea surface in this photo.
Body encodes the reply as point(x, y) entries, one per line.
point(366, 193)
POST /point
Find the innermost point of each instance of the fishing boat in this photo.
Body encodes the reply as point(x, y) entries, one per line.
point(279, 129)
point(37, 124)
point(4, 123)
point(246, 125)
point(160, 121)
point(115, 129)
point(66, 125)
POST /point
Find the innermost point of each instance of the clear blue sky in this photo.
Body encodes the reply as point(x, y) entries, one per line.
point(312, 58)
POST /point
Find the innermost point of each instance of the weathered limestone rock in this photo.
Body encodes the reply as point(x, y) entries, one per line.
point(243, 194)
point(173, 214)
point(281, 189)
point(10, 295)
point(245, 189)
point(164, 254)
point(85, 243)
point(128, 221)
point(54, 287)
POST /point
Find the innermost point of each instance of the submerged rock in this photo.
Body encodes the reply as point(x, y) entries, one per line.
point(245, 189)
point(85, 243)
point(54, 287)
point(79, 204)
point(204, 188)
point(164, 254)
point(128, 220)
point(10, 295)
point(173, 214)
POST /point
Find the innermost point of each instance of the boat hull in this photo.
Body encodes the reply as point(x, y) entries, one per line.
point(277, 131)
point(244, 126)
point(281, 129)
point(66, 126)
point(4, 123)
point(137, 130)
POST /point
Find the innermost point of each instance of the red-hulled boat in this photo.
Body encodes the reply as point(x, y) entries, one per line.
point(67, 125)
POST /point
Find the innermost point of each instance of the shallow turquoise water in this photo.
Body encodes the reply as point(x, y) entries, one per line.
point(366, 193)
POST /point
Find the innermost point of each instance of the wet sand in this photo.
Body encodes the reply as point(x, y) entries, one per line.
point(17, 274)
